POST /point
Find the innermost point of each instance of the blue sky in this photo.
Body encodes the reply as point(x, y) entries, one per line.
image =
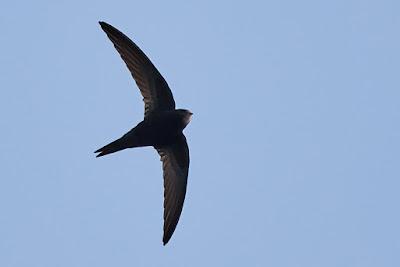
point(294, 142)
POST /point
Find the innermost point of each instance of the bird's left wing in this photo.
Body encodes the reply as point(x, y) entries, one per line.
point(155, 91)
point(175, 160)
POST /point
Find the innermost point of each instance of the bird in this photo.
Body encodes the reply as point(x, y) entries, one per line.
point(162, 127)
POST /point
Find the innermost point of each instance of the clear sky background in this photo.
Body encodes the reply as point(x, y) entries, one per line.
point(294, 142)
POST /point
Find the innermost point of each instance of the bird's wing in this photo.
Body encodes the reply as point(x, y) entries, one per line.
point(175, 160)
point(155, 91)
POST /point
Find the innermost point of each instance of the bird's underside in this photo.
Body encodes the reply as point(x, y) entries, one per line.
point(162, 127)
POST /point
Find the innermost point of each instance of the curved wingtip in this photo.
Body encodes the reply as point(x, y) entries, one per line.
point(104, 24)
point(166, 238)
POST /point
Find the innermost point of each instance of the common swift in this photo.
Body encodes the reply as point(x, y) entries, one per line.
point(161, 128)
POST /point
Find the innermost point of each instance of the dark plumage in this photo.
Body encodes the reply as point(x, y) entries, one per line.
point(161, 128)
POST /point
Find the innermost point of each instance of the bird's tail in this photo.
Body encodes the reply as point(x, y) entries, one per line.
point(115, 146)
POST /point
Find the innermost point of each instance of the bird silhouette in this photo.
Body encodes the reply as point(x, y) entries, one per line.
point(161, 128)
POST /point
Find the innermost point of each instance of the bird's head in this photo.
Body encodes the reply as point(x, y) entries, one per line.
point(186, 115)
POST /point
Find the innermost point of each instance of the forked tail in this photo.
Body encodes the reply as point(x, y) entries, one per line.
point(115, 146)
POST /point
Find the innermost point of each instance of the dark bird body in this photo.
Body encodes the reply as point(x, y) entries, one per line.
point(161, 128)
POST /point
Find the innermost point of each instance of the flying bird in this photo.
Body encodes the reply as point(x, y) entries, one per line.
point(161, 128)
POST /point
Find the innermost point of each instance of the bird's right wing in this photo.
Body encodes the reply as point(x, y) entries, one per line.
point(155, 91)
point(175, 160)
